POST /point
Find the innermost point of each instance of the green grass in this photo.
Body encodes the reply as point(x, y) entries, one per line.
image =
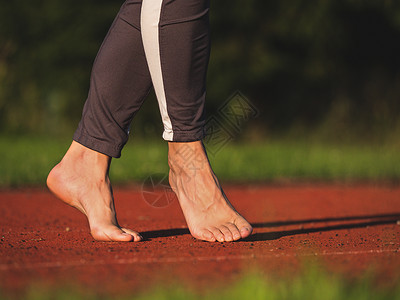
point(25, 161)
point(300, 161)
point(315, 284)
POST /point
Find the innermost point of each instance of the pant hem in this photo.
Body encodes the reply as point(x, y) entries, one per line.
point(98, 145)
point(187, 136)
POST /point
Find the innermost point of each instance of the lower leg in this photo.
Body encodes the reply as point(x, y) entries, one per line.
point(207, 210)
point(81, 180)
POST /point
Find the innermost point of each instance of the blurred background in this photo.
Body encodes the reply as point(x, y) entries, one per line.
point(323, 75)
point(321, 69)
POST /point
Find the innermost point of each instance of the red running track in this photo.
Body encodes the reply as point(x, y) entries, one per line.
point(346, 229)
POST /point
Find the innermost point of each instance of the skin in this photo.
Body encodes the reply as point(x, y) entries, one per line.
point(81, 180)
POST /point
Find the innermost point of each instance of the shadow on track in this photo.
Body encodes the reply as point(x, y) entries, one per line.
point(348, 222)
point(148, 235)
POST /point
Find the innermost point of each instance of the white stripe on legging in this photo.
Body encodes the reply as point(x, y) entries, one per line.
point(149, 23)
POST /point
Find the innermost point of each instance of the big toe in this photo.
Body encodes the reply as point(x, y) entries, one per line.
point(246, 231)
point(245, 228)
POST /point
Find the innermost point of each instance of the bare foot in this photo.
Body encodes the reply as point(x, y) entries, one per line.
point(207, 211)
point(81, 180)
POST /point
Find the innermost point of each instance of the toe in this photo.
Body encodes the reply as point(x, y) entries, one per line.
point(117, 235)
point(235, 231)
point(217, 234)
point(111, 234)
point(207, 235)
point(245, 231)
point(244, 227)
point(227, 233)
point(136, 236)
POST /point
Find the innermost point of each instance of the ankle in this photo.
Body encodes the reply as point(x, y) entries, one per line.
point(82, 160)
point(188, 155)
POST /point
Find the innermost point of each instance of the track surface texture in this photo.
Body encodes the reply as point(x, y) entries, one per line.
point(346, 229)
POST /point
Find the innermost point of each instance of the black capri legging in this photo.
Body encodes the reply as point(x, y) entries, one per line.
point(159, 43)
